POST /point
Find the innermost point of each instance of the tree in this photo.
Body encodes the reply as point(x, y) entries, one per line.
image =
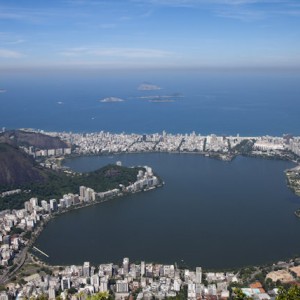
point(269, 284)
point(41, 297)
point(293, 293)
point(99, 296)
point(239, 295)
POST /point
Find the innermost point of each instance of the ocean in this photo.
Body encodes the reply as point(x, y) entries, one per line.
point(248, 103)
point(210, 213)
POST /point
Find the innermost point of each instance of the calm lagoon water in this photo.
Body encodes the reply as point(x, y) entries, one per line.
point(210, 213)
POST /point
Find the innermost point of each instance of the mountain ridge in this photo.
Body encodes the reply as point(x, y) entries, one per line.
point(17, 167)
point(34, 139)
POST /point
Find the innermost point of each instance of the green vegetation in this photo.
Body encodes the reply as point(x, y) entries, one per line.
point(58, 184)
point(293, 293)
point(16, 230)
point(293, 179)
point(245, 147)
point(72, 291)
point(27, 235)
point(99, 296)
point(182, 295)
point(239, 295)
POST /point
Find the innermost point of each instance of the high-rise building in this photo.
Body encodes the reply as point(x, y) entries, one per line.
point(103, 285)
point(86, 269)
point(198, 275)
point(76, 199)
point(143, 269)
point(51, 293)
point(126, 265)
point(62, 203)
point(4, 296)
point(44, 204)
point(122, 286)
point(82, 192)
point(95, 280)
point(28, 206)
point(53, 205)
point(65, 283)
point(191, 291)
point(34, 202)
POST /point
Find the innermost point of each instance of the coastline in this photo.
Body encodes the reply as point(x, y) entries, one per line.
point(215, 155)
point(107, 196)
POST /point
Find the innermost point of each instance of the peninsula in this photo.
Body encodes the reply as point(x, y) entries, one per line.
point(224, 148)
point(23, 225)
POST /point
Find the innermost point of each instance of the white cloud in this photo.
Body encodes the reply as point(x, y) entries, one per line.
point(192, 3)
point(242, 9)
point(15, 42)
point(241, 14)
point(107, 26)
point(6, 53)
point(8, 15)
point(117, 52)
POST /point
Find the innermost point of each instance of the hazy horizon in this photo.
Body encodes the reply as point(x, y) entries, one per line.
point(147, 34)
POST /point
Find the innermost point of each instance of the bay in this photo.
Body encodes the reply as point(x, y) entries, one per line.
point(210, 213)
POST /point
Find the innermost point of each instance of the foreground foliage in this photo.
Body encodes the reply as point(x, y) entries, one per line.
point(293, 293)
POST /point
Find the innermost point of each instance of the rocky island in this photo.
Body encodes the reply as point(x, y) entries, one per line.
point(148, 87)
point(111, 99)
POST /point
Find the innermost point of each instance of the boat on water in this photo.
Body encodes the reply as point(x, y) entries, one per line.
point(297, 213)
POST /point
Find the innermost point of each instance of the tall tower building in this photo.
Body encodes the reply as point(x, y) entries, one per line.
point(198, 275)
point(82, 192)
point(126, 265)
point(143, 268)
point(86, 269)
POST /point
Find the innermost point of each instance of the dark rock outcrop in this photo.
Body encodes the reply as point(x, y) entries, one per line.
point(17, 167)
point(37, 140)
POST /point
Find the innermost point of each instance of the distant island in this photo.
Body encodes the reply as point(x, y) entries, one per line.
point(161, 100)
point(176, 95)
point(148, 87)
point(111, 99)
point(2, 91)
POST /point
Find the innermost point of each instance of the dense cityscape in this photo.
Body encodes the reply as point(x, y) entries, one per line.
point(105, 142)
point(144, 280)
point(167, 163)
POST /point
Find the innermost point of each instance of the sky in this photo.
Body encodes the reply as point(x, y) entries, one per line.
point(150, 33)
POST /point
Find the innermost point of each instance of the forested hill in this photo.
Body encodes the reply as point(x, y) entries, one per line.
point(19, 171)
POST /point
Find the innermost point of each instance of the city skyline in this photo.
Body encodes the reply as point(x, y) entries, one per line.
point(150, 34)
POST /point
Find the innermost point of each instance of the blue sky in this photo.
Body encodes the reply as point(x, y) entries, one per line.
point(150, 33)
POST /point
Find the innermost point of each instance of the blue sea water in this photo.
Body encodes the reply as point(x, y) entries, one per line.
point(248, 103)
point(223, 102)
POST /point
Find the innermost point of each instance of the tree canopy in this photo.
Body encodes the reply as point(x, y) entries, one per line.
point(293, 293)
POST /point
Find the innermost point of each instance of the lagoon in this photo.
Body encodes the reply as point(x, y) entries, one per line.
point(210, 213)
